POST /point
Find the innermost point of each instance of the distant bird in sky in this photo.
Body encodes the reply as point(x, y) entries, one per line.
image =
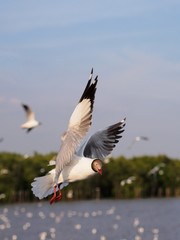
point(74, 161)
point(137, 139)
point(1, 139)
point(30, 116)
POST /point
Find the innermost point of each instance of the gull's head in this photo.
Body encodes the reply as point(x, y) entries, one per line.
point(97, 166)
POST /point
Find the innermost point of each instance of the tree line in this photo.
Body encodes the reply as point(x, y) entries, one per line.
point(136, 177)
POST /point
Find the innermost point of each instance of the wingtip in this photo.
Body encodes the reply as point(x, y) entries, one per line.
point(96, 79)
point(122, 123)
point(124, 119)
point(90, 88)
point(24, 105)
point(91, 75)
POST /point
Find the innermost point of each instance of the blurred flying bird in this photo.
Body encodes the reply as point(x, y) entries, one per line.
point(156, 169)
point(52, 162)
point(74, 161)
point(138, 139)
point(1, 139)
point(128, 180)
point(30, 116)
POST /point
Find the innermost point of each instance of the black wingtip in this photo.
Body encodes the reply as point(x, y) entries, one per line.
point(90, 89)
point(123, 121)
point(96, 78)
point(91, 75)
point(117, 129)
point(25, 106)
point(28, 130)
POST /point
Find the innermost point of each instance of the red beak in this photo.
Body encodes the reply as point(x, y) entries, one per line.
point(100, 171)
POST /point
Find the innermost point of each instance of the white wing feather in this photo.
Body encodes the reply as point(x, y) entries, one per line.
point(79, 124)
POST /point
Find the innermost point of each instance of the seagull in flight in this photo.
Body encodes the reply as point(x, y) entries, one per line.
point(138, 139)
point(78, 160)
point(30, 116)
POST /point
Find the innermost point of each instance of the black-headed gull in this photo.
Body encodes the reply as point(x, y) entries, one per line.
point(75, 162)
point(30, 116)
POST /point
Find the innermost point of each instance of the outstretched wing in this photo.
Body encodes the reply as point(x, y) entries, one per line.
point(78, 126)
point(101, 144)
point(28, 111)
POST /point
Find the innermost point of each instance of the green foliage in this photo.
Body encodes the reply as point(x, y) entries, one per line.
point(122, 178)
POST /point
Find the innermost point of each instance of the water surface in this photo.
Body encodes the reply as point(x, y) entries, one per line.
point(147, 219)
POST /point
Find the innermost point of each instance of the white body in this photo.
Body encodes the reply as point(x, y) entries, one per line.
point(30, 124)
point(78, 169)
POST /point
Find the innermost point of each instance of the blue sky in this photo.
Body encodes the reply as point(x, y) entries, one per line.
point(47, 49)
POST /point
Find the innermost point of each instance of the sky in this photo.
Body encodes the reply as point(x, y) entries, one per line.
point(47, 50)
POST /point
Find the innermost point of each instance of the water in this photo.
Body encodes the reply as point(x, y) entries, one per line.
point(147, 219)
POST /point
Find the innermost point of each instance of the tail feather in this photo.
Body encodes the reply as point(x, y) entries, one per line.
point(43, 186)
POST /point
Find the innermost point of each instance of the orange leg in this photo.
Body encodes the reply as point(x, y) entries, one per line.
point(59, 196)
point(56, 198)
